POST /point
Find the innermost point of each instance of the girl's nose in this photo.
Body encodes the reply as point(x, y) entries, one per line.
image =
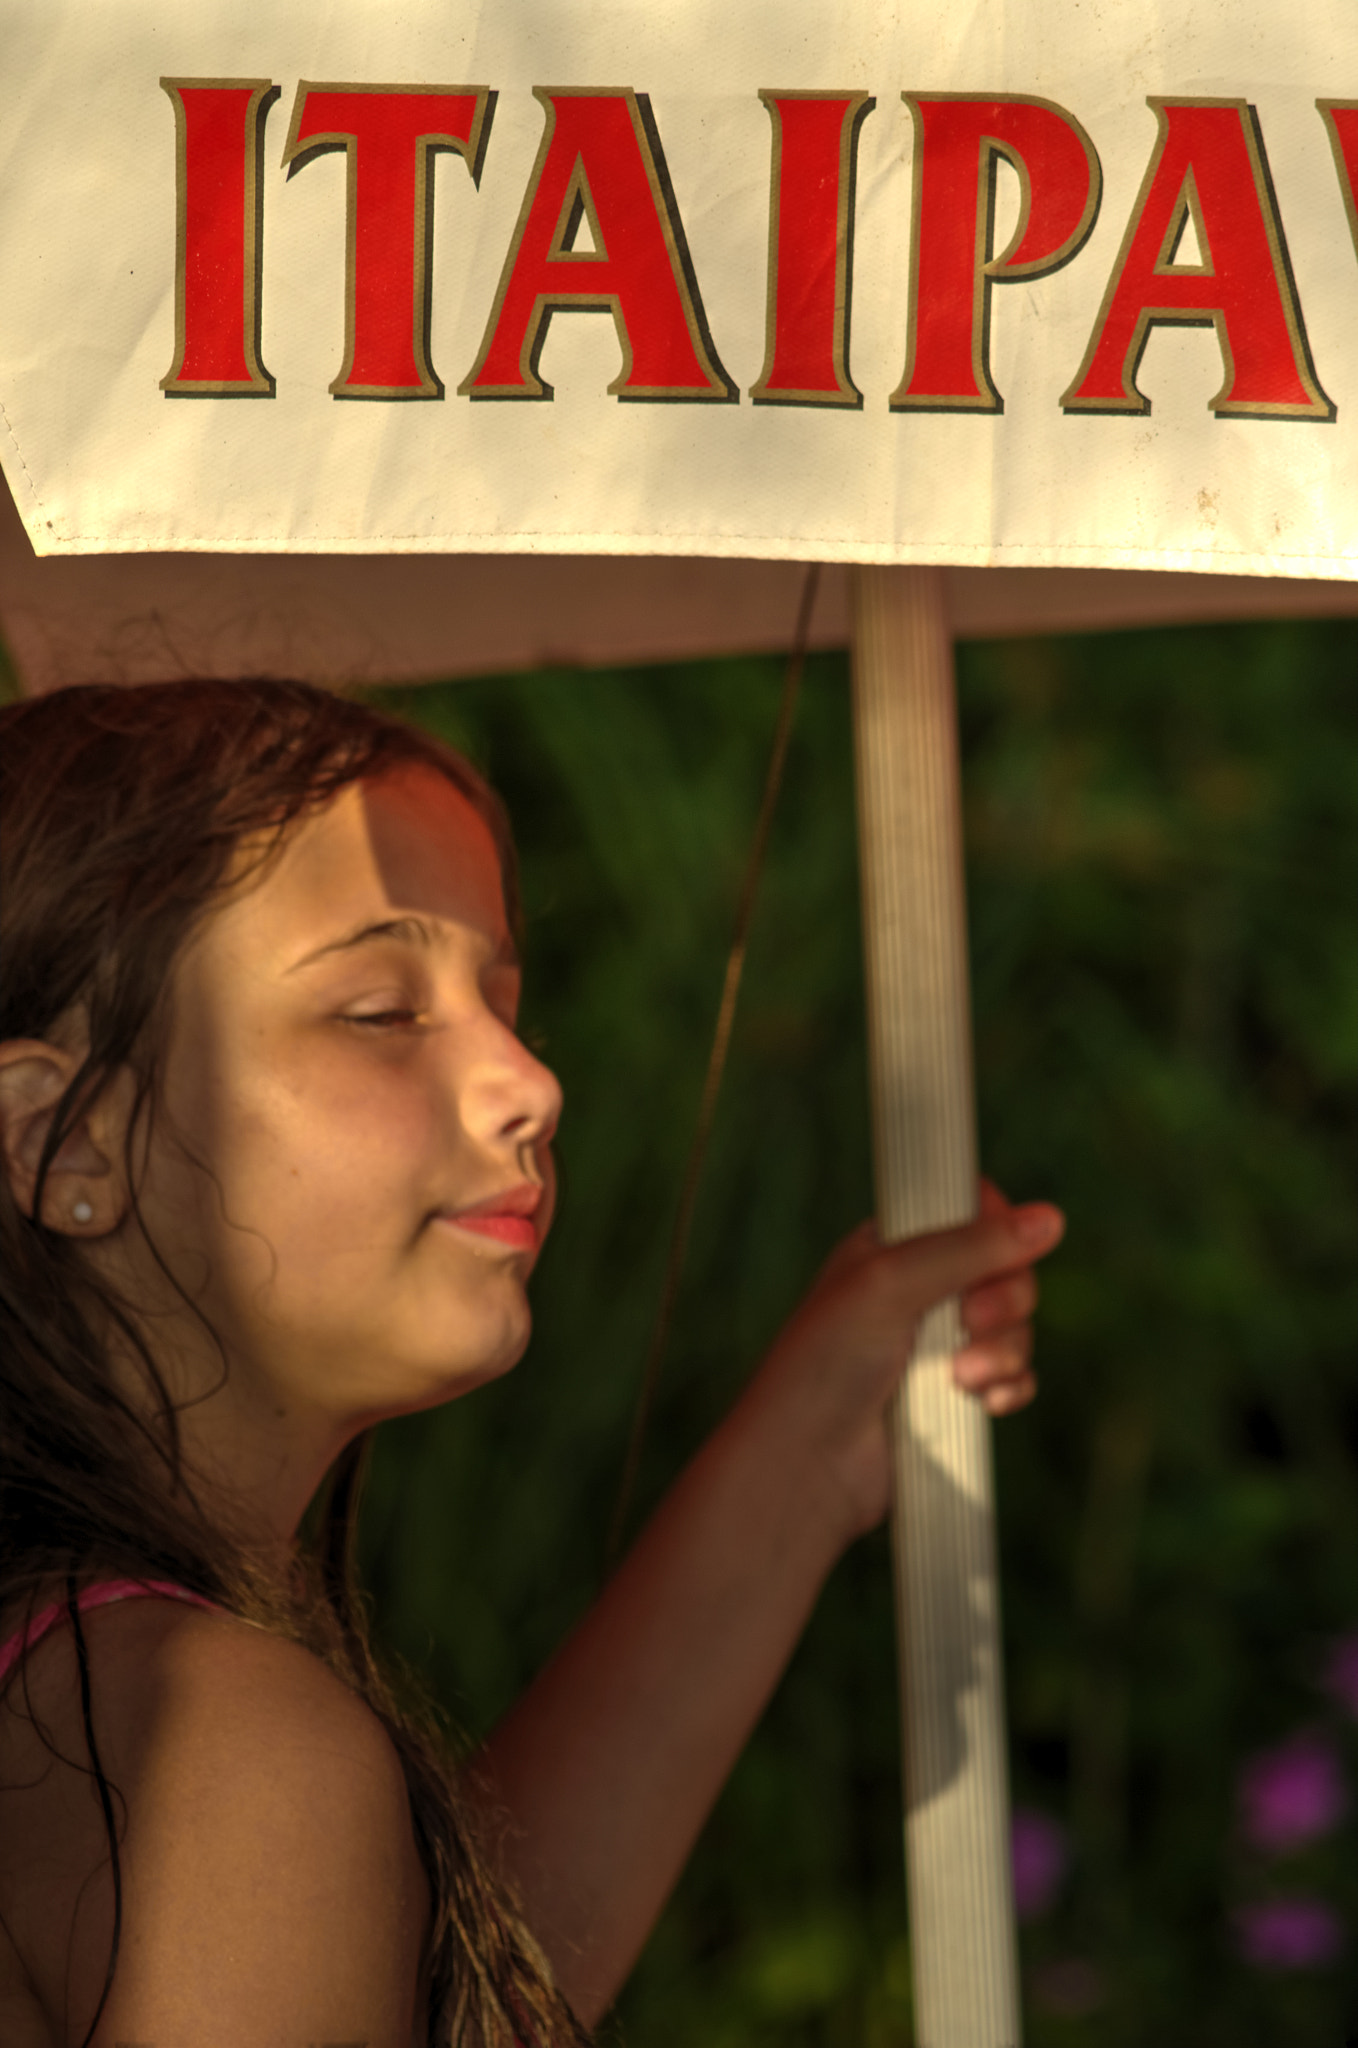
point(508, 1094)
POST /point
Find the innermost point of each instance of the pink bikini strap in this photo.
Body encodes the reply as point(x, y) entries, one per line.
point(91, 1596)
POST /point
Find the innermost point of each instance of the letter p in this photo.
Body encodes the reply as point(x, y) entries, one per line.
point(953, 262)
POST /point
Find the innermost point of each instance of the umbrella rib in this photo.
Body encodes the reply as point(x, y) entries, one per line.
point(716, 1065)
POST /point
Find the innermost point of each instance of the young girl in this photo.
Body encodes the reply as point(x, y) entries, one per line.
point(277, 1166)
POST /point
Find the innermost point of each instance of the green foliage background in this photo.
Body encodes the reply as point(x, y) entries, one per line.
point(1162, 831)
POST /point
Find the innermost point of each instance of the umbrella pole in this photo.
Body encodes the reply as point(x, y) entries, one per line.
point(919, 1031)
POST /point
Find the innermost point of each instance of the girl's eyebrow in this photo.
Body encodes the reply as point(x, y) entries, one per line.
point(411, 931)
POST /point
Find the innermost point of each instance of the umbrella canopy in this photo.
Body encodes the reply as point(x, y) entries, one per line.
point(291, 389)
point(408, 618)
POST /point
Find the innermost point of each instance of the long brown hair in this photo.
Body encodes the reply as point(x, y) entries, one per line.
point(122, 812)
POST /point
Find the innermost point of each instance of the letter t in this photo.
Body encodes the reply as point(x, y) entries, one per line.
point(388, 133)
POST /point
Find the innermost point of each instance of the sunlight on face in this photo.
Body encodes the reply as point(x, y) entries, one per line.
point(353, 1175)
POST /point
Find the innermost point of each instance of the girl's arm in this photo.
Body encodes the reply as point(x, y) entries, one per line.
point(609, 1764)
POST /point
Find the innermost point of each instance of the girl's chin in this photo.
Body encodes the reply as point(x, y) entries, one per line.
point(437, 1387)
point(476, 1365)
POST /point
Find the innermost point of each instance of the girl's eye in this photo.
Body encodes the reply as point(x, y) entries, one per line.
point(380, 1017)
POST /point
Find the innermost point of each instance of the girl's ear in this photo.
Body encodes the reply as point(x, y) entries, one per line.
point(83, 1195)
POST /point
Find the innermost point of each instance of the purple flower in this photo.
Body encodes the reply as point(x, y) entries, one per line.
point(1288, 1934)
point(1341, 1673)
point(1291, 1794)
point(1038, 1848)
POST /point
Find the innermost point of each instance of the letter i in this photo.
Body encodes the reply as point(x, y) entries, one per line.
point(219, 125)
point(815, 144)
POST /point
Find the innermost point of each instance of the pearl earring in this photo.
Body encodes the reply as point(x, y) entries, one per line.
point(82, 1212)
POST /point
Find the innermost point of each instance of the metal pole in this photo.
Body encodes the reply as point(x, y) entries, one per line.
point(914, 918)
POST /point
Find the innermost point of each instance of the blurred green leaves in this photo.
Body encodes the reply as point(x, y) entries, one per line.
point(1162, 832)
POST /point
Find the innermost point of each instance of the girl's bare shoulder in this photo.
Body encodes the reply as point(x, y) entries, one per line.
point(271, 1884)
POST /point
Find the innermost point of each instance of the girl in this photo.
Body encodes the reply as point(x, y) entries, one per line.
point(277, 1166)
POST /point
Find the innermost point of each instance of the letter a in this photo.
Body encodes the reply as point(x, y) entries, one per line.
point(953, 261)
point(219, 128)
point(600, 167)
point(1207, 171)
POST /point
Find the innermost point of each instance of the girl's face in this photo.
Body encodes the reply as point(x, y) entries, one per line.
point(351, 1172)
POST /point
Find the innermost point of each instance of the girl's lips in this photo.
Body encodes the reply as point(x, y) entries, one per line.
point(506, 1218)
point(518, 1231)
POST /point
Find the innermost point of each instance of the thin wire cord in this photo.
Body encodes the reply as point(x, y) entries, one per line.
point(716, 1066)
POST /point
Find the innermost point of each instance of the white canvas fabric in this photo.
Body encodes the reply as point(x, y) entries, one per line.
point(407, 618)
point(1228, 443)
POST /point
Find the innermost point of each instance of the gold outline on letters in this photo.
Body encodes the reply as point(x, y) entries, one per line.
point(1327, 109)
point(988, 268)
point(1134, 403)
point(472, 150)
point(857, 108)
point(720, 389)
point(263, 93)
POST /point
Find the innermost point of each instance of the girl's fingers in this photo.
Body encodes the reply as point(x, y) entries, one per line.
point(1003, 1400)
point(1003, 1357)
point(998, 1302)
point(1000, 1244)
point(926, 1269)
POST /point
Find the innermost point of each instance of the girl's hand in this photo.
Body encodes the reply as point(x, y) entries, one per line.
point(610, 1763)
point(826, 1383)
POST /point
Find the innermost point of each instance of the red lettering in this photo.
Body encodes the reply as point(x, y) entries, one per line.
point(600, 167)
point(1208, 169)
point(953, 261)
point(389, 133)
point(219, 127)
point(1341, 124)
point(815, 149)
